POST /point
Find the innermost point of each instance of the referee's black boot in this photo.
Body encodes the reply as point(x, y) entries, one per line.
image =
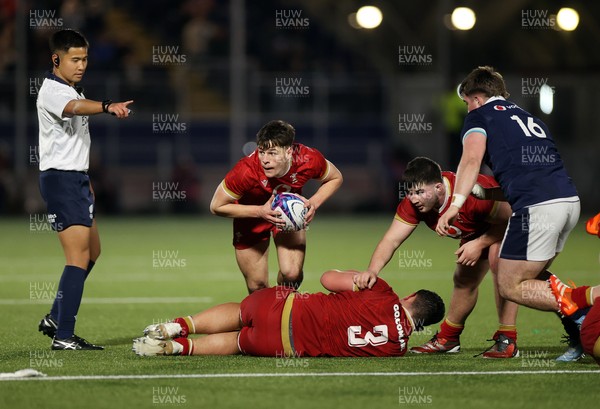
point(74, 343)
point(48, 326)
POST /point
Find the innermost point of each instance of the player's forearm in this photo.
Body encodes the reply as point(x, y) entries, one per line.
point(336, 281)
point(324, 192)
point(82, 107)
point(235, 210)
point(466, 176)
point(381, 256)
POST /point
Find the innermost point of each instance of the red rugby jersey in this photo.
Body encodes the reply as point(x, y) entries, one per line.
point(364, 323)
point(471, 221)
point(247, 182)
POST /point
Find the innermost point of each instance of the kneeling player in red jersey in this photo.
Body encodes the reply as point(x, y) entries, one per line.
point(277, 165)
point(590, 328)
point(590, 333)
point(479, 228)
point(281, 322)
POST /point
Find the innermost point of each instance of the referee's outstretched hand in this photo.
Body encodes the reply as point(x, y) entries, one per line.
point(119, 109)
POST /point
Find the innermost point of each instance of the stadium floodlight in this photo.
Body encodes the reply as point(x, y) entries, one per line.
point(352, 21)
point(546, 99)
point(463, 18)
point(369, 17)
point(567, 19)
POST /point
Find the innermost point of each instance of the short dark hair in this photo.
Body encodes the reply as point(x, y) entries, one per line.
point(427, 308)
point(275, 133)
point(421, 171)
point(62, 40)
point(485, 80)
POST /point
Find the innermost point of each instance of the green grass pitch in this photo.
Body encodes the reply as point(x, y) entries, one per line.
point(153, 269)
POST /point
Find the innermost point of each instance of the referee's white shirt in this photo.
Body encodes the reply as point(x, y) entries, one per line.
point(64, 142)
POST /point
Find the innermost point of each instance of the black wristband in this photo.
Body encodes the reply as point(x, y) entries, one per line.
point(105, 105)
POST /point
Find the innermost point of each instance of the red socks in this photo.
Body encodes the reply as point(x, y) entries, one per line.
point(509, 331)
point(581, 296)
point(188, 345)
point(450, 330)
point(187, 325)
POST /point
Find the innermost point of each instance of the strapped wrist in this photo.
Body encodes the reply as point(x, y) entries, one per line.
point(458, 200)
point(105, 105)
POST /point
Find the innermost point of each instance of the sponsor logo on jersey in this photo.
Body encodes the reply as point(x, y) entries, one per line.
point(454, 232)
point(505, 107)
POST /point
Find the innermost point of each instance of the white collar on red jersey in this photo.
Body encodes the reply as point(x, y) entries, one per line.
point(409, 318)
point(447, 196)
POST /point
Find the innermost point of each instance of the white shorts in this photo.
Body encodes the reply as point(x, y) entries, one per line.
point(539, 232)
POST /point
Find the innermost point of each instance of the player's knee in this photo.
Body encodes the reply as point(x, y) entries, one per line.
point(256, 285)
point(464, 283)
point(506, 291)
point(292, 278)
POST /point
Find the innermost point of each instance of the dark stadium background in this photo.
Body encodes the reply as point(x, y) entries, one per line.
point(217, 84)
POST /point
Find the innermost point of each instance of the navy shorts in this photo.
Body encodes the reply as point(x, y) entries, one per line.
point(68, 198)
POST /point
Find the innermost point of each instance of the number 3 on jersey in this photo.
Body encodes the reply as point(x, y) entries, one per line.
point(530, 128)
point(354, 339)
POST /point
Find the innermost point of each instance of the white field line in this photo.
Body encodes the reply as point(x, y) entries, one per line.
point(115, 300)
point(296, 375)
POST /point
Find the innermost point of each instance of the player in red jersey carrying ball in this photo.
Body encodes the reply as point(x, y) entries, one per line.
point(277, 165)
point(480, 229)
point(281, 322)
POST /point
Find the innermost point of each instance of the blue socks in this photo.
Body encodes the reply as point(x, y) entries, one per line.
point(68, 298)
point(54, 309)
point(91, 265)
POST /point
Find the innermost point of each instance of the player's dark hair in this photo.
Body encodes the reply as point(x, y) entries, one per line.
point(427, 308)
point(275, 133)
point(421, 171)
point(62, 40)
point(485, 80)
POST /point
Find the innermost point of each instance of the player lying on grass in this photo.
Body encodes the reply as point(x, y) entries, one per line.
point(480, 229)
point(277, 165)
point(281, 322)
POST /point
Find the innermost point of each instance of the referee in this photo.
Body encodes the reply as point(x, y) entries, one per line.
point(64, 149)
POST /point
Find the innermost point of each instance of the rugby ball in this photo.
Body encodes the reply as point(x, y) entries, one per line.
point(291, 209)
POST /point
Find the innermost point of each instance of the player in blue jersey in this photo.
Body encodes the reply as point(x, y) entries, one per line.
point(64, 140)
point(519, 149)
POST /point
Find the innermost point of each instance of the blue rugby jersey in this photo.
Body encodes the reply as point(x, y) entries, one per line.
point(521, 153)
